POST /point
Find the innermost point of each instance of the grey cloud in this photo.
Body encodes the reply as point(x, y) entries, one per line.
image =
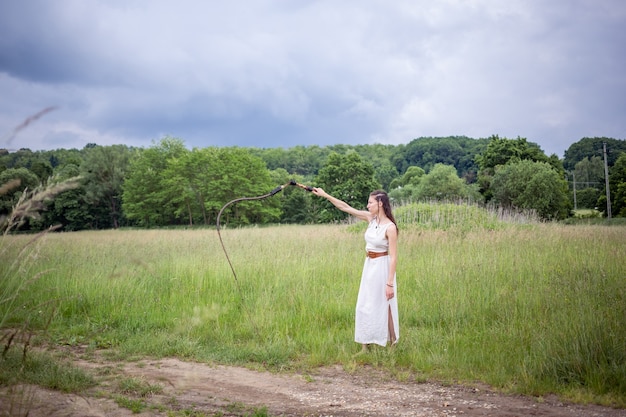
point(280, 73)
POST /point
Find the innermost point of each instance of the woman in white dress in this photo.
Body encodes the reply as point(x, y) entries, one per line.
point(376, 318)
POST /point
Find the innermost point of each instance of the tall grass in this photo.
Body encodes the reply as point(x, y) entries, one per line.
point(460, 216)
point(533, 309)
point(19, 271)
point(19, 258)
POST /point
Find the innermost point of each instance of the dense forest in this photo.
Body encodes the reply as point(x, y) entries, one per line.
point(168, 184)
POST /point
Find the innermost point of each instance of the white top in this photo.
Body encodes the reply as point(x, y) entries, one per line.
point(375, 239)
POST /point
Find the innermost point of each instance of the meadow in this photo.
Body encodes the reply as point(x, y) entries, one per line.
point(526, 307)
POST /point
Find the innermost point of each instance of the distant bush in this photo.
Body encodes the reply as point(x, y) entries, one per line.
point(587, 214)
point(463, 216)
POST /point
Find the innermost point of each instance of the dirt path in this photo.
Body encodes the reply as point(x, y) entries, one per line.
point(194, 389)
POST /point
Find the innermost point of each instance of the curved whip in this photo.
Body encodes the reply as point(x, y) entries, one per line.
point(260, 197)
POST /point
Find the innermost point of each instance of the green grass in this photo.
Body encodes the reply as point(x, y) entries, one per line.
point(532, 308)
point(45, 370)
point(138, 387)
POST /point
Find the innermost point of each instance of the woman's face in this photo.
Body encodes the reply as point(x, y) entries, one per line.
point(373, 205)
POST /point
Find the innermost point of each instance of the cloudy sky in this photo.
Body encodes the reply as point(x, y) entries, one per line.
point(281, 73)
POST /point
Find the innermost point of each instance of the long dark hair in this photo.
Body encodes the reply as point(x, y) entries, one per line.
point(381, 195)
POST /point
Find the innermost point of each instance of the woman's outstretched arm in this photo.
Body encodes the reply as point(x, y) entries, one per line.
point(343, 206)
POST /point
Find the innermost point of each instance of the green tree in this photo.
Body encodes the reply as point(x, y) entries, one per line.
point(22, 158)
point(589, 172)
point(61, 157)
point(103, 170)
point(425, 152)
point(617, 184)
point(348, 178)
point(587, 198)
point(68, 208)
point(295, 203)
point(412, 176)
point(588, 178)
point(405, 188)
point(4, 157)
point(300, 160)
point(42, 169)
point(531, 185)
point(590, 147)
point(168, 183)
point(385, 173)
point(184, 182)
point(145, 199)
point(443, 183)
point(502, 151)
point(234, 173)
point(12, 190)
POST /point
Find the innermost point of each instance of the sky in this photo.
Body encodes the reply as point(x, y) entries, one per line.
point(284, 73)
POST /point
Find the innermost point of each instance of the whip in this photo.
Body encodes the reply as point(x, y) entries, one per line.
point(237, 200)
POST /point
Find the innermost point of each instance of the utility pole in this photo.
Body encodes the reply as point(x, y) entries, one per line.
point(606, 180)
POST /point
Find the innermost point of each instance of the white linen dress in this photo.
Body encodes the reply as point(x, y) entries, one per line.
point(372, 306)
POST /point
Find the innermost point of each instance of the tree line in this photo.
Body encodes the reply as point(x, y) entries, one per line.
point(168, 184)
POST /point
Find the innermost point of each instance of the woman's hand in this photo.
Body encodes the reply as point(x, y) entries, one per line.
point(389, 292)
point(319, 192)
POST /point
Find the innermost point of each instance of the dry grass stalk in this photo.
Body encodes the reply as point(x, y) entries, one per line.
point(27, 122)
point(31, 203)
point(5, 188)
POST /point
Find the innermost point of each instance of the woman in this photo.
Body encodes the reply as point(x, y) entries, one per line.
point(377, 304)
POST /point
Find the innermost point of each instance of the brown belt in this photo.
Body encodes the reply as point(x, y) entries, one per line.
point(376, 254)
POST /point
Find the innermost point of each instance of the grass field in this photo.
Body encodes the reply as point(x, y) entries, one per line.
point(529, 308)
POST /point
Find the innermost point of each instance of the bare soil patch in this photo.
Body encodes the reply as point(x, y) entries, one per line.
point(199, 389)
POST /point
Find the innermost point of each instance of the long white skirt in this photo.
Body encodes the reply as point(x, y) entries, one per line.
point(372, 307)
